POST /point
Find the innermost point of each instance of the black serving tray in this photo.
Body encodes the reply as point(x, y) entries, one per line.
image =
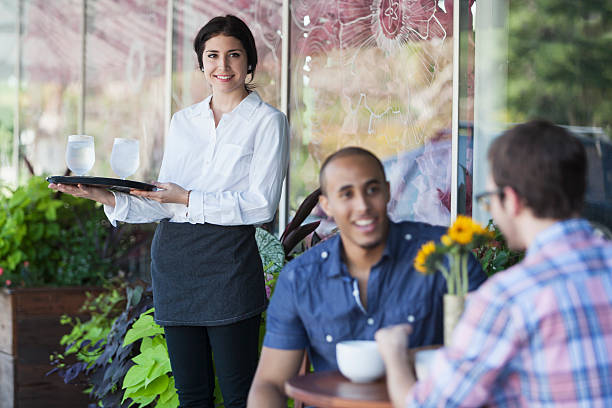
point(116, 184)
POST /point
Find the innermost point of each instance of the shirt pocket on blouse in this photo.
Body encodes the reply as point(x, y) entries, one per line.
point(234, 160)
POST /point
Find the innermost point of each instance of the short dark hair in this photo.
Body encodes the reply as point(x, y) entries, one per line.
point(230, 26)
point(345, 152)
point(544, 164)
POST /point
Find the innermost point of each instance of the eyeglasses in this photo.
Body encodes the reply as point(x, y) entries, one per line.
point(484, 199)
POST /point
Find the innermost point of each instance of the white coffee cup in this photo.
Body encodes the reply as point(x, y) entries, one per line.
point(422, 362)
point(359, 360)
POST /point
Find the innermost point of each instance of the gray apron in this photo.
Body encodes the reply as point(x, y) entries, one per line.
point(205, 274)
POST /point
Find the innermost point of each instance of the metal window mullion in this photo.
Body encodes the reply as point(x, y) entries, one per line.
point(168, 65)
point(283, 208)
point(455, 113)
point(17, 109)
point(81, 113)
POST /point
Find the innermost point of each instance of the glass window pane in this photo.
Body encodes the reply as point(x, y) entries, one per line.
point(550, 60)
point(50, 83)
point(125, 61)
point(264, 18)
point(377, 74)
point(8, 86)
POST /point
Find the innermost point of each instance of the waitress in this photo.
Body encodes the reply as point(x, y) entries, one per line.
point(224, 163)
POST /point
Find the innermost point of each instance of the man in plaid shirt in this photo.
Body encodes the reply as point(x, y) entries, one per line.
point(540, 333)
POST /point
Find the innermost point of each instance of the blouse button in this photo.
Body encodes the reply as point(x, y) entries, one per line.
point(410, 318)
point(329, 338)
point(408, 237)
point(324, 254)
point(370, 321)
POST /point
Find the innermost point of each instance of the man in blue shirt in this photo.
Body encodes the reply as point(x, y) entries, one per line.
point(351, 285)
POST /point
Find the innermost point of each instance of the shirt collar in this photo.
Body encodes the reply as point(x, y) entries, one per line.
point(336, 265)
point(557, 231)
point(245, 108)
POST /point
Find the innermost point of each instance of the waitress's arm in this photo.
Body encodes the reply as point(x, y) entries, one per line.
point(267, 171)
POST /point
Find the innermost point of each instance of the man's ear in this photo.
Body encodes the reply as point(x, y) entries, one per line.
point(324, 203)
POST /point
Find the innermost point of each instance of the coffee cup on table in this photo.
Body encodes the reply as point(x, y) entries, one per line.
point(422, 362)
point(359, 360)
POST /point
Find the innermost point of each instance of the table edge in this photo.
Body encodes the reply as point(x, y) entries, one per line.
point(329, 402)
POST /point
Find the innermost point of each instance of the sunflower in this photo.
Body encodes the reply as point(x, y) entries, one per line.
point(446, 240)
point(450, 255)
point(463, 229)
point(420, 261)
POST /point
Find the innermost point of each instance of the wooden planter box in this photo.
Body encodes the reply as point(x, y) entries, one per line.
point(29, 332)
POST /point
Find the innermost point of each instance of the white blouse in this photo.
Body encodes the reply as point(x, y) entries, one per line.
point(234, 171)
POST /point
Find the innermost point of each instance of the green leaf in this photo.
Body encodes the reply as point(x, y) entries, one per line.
point(135, 376)
point(158, 385)
point(171, 402)
point(160, 355)
point(50, 213)
point(14, 259)
point(168, 393)
point(19, 199)
point(145, 326)
point(140, 396)
point(271, 250)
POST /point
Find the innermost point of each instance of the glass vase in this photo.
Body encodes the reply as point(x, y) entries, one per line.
point(453, 309)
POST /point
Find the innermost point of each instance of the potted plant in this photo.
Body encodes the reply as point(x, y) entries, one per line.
point(53, 249)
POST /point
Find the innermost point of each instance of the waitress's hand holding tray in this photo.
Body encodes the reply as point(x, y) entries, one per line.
point(164, 193)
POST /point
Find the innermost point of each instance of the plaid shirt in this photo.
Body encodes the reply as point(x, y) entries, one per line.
point(536, 335)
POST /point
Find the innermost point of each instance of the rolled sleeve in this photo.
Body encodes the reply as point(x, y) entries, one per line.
point(284, 327)
point(120, 211)
point(195, 210)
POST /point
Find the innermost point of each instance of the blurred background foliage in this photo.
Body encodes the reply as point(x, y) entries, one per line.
point(560, 62)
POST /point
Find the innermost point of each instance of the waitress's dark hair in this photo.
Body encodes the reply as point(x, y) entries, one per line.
point(230, 26)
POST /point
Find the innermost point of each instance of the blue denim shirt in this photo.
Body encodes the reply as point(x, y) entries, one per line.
point(316, 302)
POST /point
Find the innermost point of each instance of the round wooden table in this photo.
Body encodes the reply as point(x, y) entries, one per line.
point(330, 389)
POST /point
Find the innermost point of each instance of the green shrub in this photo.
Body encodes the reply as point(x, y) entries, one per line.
point(54, 239)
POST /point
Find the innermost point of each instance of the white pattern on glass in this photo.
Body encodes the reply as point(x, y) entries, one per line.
point(125, 157)
point(80, 154)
